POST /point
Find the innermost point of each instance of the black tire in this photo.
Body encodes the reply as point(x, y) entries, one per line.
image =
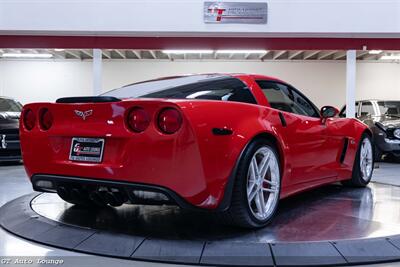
point(357, 179)
point(239, 213)
point(378, 154)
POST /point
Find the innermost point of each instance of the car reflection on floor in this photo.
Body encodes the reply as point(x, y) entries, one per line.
point(329, 213)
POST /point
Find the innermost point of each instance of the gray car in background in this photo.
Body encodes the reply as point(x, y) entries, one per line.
point(10, 111)
point(383, 117)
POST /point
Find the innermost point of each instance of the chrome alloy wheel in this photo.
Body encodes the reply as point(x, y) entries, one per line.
point(366, 159)
point(263, 182)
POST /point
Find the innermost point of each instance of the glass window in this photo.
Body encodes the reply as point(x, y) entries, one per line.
point(9, 105)
point(285, 98)
point(367, 109)
point(389, 107)
point(210, 87)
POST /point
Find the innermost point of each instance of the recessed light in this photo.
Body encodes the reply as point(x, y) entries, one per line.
point(375, 52)
point(390, 57)
point(25, 55)
point(188, 51)
point(233, 51)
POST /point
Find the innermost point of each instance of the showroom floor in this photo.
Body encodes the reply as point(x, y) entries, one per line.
point(13, 183)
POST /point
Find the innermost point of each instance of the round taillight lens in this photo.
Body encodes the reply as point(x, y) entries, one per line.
point(169, 120)
point(45, 119)
point(138, 120)
point(29, 119)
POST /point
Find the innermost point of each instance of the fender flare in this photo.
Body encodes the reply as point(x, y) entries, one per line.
point(226, 200)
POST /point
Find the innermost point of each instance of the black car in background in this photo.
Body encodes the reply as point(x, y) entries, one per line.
point(10, 111)
point(383, 117)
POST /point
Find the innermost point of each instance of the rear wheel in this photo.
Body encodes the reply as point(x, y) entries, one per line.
point(256, 190)
point(363, 164)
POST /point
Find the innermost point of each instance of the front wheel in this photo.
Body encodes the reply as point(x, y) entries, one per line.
point(363, 164)
point(257, 186)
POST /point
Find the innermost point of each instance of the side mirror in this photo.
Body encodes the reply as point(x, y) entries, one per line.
point(329, 112)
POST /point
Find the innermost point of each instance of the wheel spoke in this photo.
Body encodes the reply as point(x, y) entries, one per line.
point(264, 166)
point(270, 190)
point(269, 182)
point(255, 167)
point(258, 204)
point(252, 194)
point(262, 202)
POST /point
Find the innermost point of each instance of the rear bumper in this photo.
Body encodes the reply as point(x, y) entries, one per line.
point(126, 187)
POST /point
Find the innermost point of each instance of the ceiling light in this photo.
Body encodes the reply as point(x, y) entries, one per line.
point(375, 52)
point(241, 51)
point(391, 57)
point(188, 51)
point(59, 49)
point(25, 55)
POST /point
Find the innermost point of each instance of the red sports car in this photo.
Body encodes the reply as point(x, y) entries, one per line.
point(228, 143)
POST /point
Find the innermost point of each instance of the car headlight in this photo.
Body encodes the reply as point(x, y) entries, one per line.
point(396, 133)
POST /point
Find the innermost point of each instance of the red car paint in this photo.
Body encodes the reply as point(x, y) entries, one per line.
point(193, 162)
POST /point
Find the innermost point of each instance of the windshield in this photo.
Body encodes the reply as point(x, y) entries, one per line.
point(8, 105)
point(207, 87)
point(389, 107)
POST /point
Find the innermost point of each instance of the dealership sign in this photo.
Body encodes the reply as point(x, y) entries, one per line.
point(235, 12)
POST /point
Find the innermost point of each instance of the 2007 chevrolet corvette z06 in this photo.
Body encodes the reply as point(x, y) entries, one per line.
point(234, 144)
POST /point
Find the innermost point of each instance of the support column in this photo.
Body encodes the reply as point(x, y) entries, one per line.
point(97, 71)
point(351, 59)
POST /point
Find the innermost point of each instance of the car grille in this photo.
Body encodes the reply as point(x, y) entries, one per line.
point(9, 141)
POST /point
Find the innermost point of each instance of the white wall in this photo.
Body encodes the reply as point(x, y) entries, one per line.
point(330, 18)
point(323, 82)
point(32, 81)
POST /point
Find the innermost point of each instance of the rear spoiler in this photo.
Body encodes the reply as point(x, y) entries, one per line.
point(87, 99)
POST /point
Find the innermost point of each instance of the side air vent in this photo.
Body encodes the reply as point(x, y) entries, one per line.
point(344, 150)
point(283, 120)
point(87, 99)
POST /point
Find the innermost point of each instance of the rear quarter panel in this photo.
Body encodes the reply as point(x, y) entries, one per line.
point(219, 154)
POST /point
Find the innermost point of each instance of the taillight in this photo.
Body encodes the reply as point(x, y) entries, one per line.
point(138, 119)
point(45, 119)
point(169, 120)
point(29, 119)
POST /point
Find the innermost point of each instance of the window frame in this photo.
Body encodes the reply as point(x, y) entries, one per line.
point(291, 88)
point(360, 107)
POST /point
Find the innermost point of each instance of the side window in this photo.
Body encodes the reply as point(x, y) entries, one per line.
point(304, 105)
point(342, 113)
point(284, 98)
point(228, 89)
point(367, 109)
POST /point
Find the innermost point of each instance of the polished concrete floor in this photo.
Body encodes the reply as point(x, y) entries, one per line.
point(13, 183)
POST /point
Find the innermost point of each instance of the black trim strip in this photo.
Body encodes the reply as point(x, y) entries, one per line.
point(127, 186)
point(221, 131)
point(283, 121)
point(87, 99)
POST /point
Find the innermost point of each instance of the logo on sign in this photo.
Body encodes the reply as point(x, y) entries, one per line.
point(235, 12)
point(83, 114)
